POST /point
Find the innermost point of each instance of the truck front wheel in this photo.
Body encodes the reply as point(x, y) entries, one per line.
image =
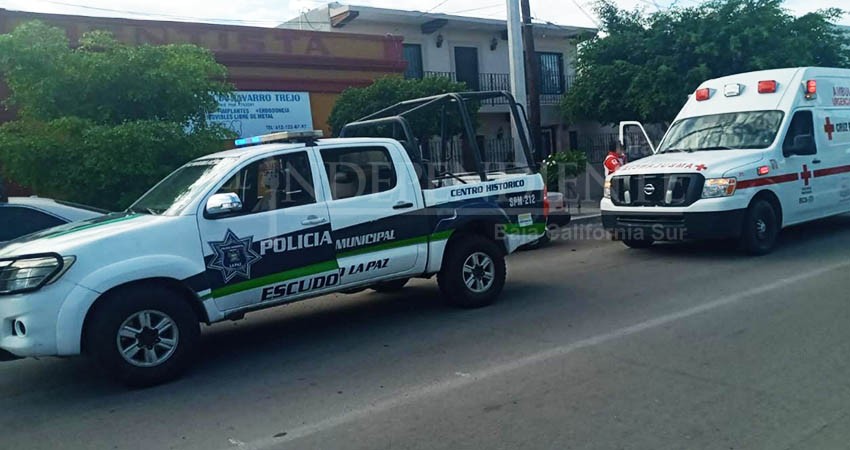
point(473, 273)
point(143, 335)
point(761, 228)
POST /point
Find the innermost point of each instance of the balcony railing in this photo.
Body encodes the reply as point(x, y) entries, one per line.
point(502, 82)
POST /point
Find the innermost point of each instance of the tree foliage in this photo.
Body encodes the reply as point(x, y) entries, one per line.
point(645, 65)
point(356, 103)
point(101, 122)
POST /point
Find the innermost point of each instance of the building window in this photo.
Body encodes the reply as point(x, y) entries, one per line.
point(413, 56)
point(551, 73)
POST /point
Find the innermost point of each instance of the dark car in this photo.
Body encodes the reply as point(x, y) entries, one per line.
point(20, 216)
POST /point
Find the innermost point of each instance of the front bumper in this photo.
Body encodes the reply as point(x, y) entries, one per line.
point(673, 226)
point(38, 312)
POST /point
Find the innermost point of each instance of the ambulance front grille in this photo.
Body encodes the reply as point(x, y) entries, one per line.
point(656, 190)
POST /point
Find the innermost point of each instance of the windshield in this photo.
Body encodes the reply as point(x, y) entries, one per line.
point(176, 191)
point(738, 130)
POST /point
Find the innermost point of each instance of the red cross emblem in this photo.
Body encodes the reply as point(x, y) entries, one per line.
point(806, 174)
point(701, 167)
point(829, 127)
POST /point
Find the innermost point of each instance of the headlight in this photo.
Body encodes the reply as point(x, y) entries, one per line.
point(606, 190)
point(31, 272)
point(719, 187)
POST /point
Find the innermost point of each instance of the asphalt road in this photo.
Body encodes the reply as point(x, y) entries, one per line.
point(592, 346)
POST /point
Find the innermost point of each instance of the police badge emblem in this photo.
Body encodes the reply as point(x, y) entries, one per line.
point(233, 256)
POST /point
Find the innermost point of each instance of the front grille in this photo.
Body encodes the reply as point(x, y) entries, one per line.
point(656, 190)
point(651, 220)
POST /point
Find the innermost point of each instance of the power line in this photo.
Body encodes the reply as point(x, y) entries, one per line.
point(434, 7)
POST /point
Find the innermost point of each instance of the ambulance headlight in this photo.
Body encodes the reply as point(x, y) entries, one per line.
point(606, 189)
point(31, 273)
point(719, 187)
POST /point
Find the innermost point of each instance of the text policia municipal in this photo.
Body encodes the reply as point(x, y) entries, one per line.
point(322, 238)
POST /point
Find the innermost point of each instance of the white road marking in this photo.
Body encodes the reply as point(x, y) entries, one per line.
point(418, 393)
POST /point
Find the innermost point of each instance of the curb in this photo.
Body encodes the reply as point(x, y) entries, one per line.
point(585, 219)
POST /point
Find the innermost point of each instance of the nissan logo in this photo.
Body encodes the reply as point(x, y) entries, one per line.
point(648, 189)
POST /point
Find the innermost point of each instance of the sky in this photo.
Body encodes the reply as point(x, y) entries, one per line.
point(271, 12)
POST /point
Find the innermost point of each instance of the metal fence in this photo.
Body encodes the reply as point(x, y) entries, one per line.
point(502, 82)
point(496, 152)
point(598, 145)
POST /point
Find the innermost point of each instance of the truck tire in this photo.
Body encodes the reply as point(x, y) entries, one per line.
point(761, 228)
point(390, 286)
point(143, 336)
point(473, 272)
point(638, 243)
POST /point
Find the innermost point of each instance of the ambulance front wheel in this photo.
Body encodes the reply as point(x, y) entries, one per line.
point(143, 335)
point(473, 273)
point(760, 228)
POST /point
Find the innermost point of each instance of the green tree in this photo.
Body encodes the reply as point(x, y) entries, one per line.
point(356, 103)
point(101, 122)
point(645, 65)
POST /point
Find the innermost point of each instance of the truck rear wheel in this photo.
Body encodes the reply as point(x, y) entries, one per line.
point(761, 228)
point(473, 273)
point(143, 336)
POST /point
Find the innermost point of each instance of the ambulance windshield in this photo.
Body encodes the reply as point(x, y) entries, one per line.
point(728, 131)
point(176, 191)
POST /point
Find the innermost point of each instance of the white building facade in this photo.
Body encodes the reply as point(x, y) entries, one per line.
point(473, 51)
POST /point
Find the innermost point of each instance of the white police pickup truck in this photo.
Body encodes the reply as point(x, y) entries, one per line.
point(286, 218)
point(748, 155)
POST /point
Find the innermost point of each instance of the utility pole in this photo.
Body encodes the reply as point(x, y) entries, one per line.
point(517, 67)
point(532, 71)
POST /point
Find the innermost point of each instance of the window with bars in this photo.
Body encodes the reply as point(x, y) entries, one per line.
point(413, 56)
point(551, 73)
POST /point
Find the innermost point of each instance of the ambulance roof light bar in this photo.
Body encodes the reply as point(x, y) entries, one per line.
point(308, 137)
point(811, 89)
point(703, 94)
point(767, 87)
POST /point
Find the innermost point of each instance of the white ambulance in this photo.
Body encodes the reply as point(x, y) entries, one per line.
point(748, 155)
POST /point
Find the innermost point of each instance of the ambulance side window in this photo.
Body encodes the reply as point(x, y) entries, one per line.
point(274, 183)
point(801, 135)
point(359, 171)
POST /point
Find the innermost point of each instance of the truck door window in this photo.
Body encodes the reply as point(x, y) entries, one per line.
point(274, 183)
point(359, 171)
point(801, 128)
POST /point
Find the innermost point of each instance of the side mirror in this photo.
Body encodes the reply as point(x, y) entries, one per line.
point(803, 145)
point(220, 205)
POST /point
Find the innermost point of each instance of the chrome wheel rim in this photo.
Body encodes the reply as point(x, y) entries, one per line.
point(147, 338)
point(761, 228)
point(479, 272)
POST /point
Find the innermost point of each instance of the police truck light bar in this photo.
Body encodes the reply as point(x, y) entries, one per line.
point(285, 136)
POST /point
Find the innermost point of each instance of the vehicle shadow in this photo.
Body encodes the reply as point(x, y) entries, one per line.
point(272, 342)
point(794, 242)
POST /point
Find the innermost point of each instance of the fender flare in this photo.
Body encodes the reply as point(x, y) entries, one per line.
point(75, 308)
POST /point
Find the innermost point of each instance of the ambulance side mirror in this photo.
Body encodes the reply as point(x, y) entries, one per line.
point(221, 205)
point(804, 145)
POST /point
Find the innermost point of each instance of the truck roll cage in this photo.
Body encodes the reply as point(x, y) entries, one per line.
point(398, 118)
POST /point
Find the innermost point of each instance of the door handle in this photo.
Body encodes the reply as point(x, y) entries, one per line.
point(313, 220)
point(816, 161)
point(403, 205)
